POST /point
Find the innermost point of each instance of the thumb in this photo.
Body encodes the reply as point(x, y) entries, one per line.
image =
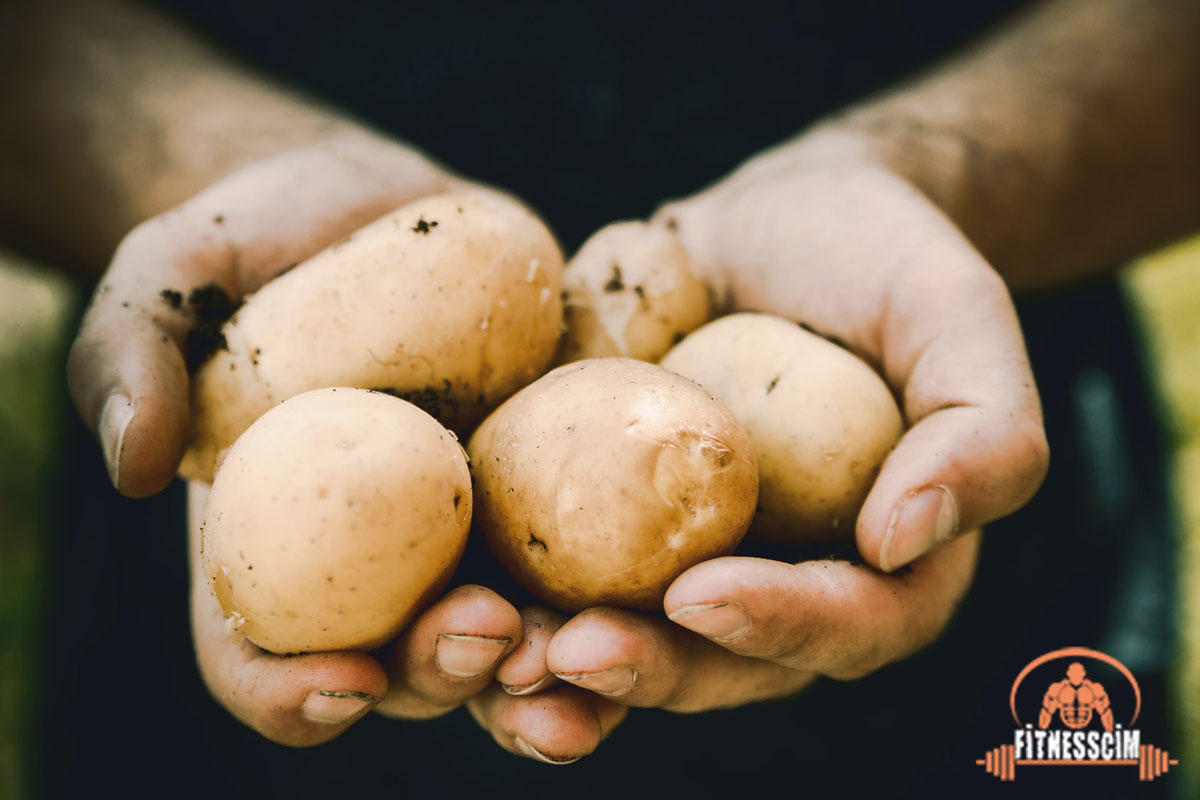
point(126, 368)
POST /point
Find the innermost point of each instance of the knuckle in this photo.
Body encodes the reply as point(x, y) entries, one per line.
point(146, 235)
point(791, 648)
point(1032, 451)
point(672, 688)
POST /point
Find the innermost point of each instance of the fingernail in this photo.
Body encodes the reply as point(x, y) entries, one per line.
point(919, 522)
point(334, 708)
point(114, 419)
point(531, 751)
point(468, 656)
point(614, 681)
point(518, 691)
point(722, 621)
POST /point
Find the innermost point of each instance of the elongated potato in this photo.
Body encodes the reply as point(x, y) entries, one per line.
point(605, 479)
point(334, 518)
point(451, 302)
point(630, 291)
point(819, 419)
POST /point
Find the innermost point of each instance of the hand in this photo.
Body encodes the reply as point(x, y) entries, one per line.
point(447, 654)
point(748, 629)
point(126, 369)
point(128, 377)
point(817, 232)
point(450, 654)
point(471, 645)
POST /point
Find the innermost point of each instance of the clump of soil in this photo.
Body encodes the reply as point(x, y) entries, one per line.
point(210, 306)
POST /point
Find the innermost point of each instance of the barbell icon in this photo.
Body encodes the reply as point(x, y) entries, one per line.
point(1002, 762)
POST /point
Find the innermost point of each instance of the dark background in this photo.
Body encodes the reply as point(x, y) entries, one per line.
point(594, 112)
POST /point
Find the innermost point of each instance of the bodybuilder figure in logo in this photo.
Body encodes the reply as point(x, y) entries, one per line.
point(1074, 699)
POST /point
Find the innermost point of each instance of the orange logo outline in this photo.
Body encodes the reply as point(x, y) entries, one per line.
point(1068, 652)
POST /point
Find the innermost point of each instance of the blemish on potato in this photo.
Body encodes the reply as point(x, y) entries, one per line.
point(615, 284)
point(640, 291)
point(424, 227)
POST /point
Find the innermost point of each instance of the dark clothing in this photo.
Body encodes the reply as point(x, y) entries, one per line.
point(594, 112)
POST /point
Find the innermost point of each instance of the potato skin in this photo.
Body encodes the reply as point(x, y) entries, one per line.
point(334, 518)
point(630, 291)
point(820, 420)
point(605, 479)
point(452, 302)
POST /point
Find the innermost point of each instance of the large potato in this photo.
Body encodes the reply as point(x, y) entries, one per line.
point(819, 419)
point(630, 291)
point(333, 519)
point(602, 481)
point(451, 302)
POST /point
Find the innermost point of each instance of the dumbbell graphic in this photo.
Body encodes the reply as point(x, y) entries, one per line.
point(1001, 762)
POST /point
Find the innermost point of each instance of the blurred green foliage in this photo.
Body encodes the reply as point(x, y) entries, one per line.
point(35, 306)
point(1166, 289)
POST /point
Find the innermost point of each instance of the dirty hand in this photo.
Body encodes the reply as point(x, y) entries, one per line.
point(129, 378)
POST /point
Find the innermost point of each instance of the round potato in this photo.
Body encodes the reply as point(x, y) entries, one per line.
point(451, 302)
point(333, 519)
point(604, 480)
point(820, 420)
point(630, 291)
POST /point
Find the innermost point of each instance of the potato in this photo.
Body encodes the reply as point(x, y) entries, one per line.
point(630, 291)
point(452, 302)
point(820, 420)
point(333, 519)
point(605, 479)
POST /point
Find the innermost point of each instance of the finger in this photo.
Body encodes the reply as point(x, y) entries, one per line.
point(976, 448)
point(524, 672)
point(556, 726)
point(175, 278)
point(644, 661)
point(835, 618)
point(449, 653)
point(297, 700)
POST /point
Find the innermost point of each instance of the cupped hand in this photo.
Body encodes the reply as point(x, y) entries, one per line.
point(819, 232)
point(741, 630)
point(471, 646)
point(129, 379)
point(127, 368)
point(448, 654)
